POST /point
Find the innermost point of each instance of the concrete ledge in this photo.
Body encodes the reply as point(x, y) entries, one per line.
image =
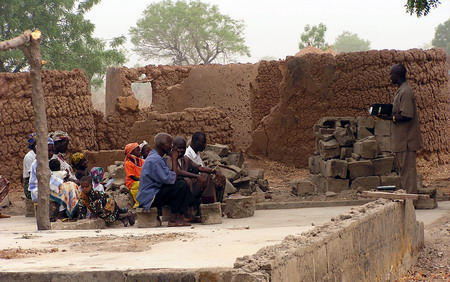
point(310, 204)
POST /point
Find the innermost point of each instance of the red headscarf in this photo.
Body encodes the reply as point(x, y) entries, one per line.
point(128, 156)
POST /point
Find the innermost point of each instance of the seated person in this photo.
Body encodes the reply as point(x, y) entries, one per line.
point(79, 164)
point(159, 185)
point(133, 165)
point(145, 149)
point(101, 205)
point(61, 144)
point(27, 161)
point(197, 177)
point(97, 174)
point(198, 144)
point(55, 168)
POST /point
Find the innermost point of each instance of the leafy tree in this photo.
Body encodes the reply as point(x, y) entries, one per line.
point(314, 36)
point(350, 42)
point(442, 36)
point(67, 36)
point(187, 33)
point(421, 7)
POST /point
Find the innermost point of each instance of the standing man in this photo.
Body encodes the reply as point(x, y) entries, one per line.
point(406, 138)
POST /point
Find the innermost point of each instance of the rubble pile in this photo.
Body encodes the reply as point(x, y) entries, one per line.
point(351, 153)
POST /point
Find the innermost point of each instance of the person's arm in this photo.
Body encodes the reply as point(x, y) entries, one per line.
point(129, 170)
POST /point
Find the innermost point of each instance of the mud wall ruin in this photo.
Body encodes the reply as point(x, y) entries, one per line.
point(319, 85)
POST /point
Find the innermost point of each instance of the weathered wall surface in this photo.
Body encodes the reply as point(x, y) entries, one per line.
point(319, 85)
point(377, 242)
point(69, 108)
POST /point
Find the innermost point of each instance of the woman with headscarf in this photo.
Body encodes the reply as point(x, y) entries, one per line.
point(133, 165)
point(61, 140)
point(27, 161)
point(80, 164)
point(97, 174)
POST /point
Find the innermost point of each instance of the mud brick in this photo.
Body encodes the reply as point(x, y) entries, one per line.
point(367, 149)
point(346, 152)
point(382, 128)
point(360, 168)
point(255, 174)
point(382, 165)
point(239, 207)
point(147, 218)
point(334, 168)
point(423, 204)
point(384, 143)
point(388, 180)
point(219, 149)
point(314, 164)
point(344, 136)
point(336, 185)
point(303, 187)
point(329, 149)
point(367, 122)
point(365, 183)
point(362, 132)
point(211, 213)
point(236, 159)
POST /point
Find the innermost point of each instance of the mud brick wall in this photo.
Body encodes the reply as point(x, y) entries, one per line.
point(319, 85)
point(69, 108)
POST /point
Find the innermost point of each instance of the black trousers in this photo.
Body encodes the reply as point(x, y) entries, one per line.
point(178, 196)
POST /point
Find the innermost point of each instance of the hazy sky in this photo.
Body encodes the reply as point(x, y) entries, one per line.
point(273, 27)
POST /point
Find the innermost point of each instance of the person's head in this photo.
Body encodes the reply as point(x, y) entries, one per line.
point(97, 174)
point(61, 140)
point(54, 165)
point(163, 143)
point(179, 143)
point(398, 74)
point(133, 150)
point(51, 147)
point(86, 184)
point(198, 142)
point(79, 161)
point(32, 141)
point(145, 149)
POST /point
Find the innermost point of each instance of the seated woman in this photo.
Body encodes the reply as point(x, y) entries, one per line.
point(97, 174)
point(101, 205)
point(79, 164)
point(133, 166)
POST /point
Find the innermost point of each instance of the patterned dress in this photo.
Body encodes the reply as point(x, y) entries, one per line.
point(99, 204)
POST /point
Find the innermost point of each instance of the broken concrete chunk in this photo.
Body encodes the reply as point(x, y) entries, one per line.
point(334, 184)
point(384, 143)
point(240, 207)
point(382, 165)
point(303, 187)
point(335, 168)
point(255, 174)
point(345, 136)
point(242, 183)
point(365, 183)
point(329, 149)
point(263, 184)
point(388, 180)
point(346, 152)
point(423, 204)
point(360, 168)
point(210, 156)
point(236, 159)
point(219, 149)
point(362, 132)
point(366, 148)
point(211, 213)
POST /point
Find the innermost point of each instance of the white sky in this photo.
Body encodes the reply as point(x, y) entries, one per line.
point(273, 27)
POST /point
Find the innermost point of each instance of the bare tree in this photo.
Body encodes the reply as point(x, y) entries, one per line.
point(29, 42)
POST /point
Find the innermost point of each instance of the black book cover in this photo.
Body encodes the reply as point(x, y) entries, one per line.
point(381, 109)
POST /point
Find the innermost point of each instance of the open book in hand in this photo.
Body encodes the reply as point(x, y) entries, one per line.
point(381, 109)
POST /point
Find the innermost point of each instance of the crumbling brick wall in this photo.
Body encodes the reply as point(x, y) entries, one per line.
point(319, 85)
point(69, 108)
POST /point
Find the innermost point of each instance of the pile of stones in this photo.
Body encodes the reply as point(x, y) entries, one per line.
point(351, 153)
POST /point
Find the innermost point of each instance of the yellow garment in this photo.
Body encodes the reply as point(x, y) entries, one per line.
point(134, 191)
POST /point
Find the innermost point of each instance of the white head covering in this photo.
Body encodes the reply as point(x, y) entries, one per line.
point(142, 144)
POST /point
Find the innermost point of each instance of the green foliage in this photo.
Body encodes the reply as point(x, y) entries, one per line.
point(187, 33)
point(421, 7)
point(350, 42)
point(314, 36)
point(67, 40)
point(442, 36)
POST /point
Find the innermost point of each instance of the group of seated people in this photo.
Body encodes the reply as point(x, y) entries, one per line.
point(170, 174)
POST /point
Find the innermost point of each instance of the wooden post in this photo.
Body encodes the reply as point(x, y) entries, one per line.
point(29, 42)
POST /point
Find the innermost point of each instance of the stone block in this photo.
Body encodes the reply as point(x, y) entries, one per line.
point(219, 149)
point(148, 218)
point(116, 171)
point(356, 156)
point(346, 152)
point(235, 158)
point(329, 149)
point(330, 184)
point(359, 168)
point(383, 165)
point(239, 207)
point(210, 156)
point(303, 187)
point(263, 184)
point(335, 168)
point(430, 191)
point(367, 122)
point(29, 208)
point(366, 148)
point(384, 143)
point(344, 136)
point(362, 132)
point(211, 213)
point(242, 183)
point(425, 204)
point(382, 128)
point(365, 183)
point(81, 224)
point(232, 172)
point(389, 180)
point(318, 180)
point(255, 174)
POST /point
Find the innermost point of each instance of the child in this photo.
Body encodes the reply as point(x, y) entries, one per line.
point(55, 167)
point(101, 205)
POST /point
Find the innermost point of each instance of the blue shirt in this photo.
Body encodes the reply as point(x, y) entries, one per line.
point(154, 174)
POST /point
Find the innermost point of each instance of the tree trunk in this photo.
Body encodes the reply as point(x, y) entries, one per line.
point(29, 43)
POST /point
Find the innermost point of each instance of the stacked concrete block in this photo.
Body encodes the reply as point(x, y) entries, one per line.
point(349, 156)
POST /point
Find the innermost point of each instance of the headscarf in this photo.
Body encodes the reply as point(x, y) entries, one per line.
point(76, 158)
point(128, 156)
point(142, 144)
point(59, 135)
point(50, 141)
point(32, 140)
point(97, 174)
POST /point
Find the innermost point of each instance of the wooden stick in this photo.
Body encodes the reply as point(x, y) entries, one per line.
point(394, 196)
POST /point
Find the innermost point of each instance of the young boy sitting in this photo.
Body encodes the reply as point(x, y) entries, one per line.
point(101, 205)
